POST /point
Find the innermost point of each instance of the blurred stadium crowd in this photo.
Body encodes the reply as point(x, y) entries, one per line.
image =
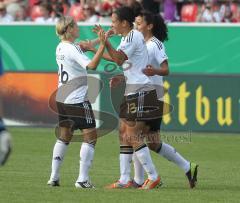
point(93, 11)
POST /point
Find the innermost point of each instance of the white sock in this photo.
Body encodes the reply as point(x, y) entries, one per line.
point(57, 158)
point(138, 170)
point(86, 158)
point(170, 153)
point(125, 167)
point(125, 159)
point(144, 157)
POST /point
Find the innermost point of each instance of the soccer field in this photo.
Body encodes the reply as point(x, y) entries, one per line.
point(24, 177)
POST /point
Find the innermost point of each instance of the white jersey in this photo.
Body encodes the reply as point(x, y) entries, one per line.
point(157, 55)
point(72, 82)
point(134, 47)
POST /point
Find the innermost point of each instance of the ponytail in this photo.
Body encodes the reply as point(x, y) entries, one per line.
point(160, 29)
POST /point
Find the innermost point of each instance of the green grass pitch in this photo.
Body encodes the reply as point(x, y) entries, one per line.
point(24, 177)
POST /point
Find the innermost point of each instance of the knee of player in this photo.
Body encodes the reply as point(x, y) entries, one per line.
point(65, 139)
point(92, 142)
point(64, 133)
point(154, 146)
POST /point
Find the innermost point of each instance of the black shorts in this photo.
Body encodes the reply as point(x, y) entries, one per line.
point(76, 116)
point(142, 106)
point(155, 124)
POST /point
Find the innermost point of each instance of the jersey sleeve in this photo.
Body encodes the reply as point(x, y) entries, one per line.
point(128, 45)
point(160, 54)
point(80, 57)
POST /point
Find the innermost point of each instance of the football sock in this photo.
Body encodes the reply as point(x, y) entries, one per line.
point(143, 154)
point(86, 158)
point(138, 170)
point(57, 159)
point(125, 159)
point(171, 154)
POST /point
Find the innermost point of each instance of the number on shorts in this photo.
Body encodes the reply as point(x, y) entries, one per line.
point(132, 108)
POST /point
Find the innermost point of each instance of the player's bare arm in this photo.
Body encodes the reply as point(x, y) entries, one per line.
point(90, 46)
point(118, 56)
point(97, 57)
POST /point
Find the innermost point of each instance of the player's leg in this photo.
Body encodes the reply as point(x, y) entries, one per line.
point(152, 125)
point(138, 179)
point(125, 158)
point(87, 124)
point(143, 154)
point(136, 129)
point(5, 143)
point(126, 152)
point(169, 152)
point(59, 150)
point(132, 138)
point(63, 132)
point(86, 158)
point(152, 141)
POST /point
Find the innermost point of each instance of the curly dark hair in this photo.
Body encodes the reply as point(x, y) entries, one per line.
point(160, 29)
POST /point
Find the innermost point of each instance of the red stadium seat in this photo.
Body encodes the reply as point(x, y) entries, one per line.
point(189, 13)
point(36, 11)
point(76, 12)
point(31, 3)
point(106, 6)
point(66, 9)
point(235, 12)
point(234, 8)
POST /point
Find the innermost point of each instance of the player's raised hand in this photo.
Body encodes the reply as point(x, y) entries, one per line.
point(102, 37)
point(149, 71)
point(86, 45)
point(97, 29)
point(109, 33)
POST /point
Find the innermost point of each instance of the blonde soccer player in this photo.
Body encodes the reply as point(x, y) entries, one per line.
point(74, 109)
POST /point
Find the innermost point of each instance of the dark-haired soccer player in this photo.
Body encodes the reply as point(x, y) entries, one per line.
point(132, 55)
point(155, 33)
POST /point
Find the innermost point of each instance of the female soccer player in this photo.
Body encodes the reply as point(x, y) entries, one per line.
point(155, 33)
point(132, 55)
point(75, 111)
